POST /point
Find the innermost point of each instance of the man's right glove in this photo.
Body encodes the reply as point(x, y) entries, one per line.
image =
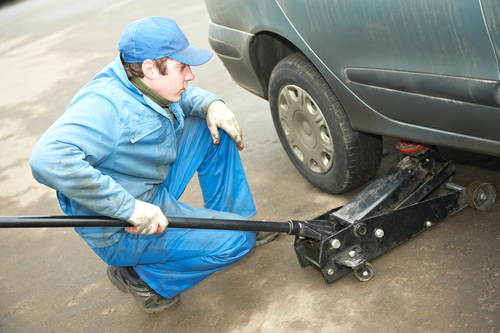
point(147, 219)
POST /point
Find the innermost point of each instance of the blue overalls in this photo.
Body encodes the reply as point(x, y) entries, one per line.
point(114, 144)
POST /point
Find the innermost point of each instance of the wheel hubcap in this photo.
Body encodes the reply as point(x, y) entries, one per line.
point(305, 129)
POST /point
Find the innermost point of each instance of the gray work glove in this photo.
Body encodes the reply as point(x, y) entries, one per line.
point(219, 116)
point(147, 219)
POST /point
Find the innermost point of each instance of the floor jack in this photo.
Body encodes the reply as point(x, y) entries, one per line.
point(411, 197)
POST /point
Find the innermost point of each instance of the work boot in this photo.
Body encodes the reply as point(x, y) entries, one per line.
point(264, 237)
point(127, 280)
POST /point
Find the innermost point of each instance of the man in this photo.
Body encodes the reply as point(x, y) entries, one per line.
point(127, 146)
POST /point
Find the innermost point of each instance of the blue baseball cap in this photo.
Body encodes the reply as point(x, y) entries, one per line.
point(158, 37)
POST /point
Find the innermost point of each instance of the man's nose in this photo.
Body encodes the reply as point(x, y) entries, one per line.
point(189, 75)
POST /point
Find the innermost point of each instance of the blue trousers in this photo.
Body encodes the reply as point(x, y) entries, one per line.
point(177, 259)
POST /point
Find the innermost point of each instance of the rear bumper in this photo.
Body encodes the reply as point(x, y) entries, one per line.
point(232, 47)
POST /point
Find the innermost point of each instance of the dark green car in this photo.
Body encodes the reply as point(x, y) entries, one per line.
point(339, 74)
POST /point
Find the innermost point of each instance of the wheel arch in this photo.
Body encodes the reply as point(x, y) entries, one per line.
point(266, 50)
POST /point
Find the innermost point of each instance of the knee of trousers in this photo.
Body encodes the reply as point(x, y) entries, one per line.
point(248, 242)
point(237, 247)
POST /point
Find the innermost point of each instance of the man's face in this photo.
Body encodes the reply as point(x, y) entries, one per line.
point(174, 83)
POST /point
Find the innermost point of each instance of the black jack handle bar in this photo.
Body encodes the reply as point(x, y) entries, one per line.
point(291, 227)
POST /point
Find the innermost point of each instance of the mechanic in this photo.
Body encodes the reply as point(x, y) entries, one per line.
point(127, 146)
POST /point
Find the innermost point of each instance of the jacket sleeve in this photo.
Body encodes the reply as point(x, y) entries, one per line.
point(195, 101)
point(66, 155)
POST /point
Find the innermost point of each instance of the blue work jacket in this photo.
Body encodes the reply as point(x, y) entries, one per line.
point(112, 144)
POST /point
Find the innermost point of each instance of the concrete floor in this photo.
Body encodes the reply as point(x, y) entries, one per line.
point(444, 280)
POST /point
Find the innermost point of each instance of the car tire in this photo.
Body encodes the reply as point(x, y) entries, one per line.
point(315, 131)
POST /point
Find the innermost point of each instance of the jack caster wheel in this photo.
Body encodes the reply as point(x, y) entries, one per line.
point(479, 195)
point(364, 272)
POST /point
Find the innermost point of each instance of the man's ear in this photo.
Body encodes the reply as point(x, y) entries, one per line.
point(149, 69)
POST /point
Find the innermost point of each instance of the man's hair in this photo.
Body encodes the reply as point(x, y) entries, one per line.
point(135, 69)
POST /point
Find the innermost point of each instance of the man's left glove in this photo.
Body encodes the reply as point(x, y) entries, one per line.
point(147, 219)
point(219, 116)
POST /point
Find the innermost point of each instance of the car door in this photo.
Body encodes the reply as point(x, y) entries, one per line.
point(426, 62)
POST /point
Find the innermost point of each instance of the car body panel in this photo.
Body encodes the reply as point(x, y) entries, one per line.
point(491, 10)
point(457, 39)
point(358, 34)
point(447, 37)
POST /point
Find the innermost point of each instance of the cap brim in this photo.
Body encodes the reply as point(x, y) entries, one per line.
point(192, 56)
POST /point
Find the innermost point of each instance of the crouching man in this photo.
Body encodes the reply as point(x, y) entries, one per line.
point(127, 146)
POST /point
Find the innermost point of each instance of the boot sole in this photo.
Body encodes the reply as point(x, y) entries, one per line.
point(157, 309)
point(266, 240)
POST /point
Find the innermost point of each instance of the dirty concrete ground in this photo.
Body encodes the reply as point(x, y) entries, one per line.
point(444, 280)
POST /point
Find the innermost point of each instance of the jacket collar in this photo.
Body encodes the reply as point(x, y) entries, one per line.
point(119, 72)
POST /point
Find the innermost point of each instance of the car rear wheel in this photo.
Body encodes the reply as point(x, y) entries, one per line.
point(315, 130)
